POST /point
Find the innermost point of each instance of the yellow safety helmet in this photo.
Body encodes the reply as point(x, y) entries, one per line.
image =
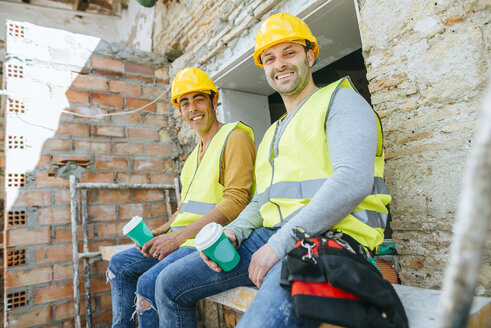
point(191, 79)
point(280, 28)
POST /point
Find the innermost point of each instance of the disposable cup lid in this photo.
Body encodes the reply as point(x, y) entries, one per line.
point(208, 235)
point(132, 224)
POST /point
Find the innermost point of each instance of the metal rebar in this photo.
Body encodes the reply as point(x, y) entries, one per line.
point(85, 227)
point(76, 283)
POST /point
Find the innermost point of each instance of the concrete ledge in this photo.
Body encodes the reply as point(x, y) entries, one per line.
point(420, 304)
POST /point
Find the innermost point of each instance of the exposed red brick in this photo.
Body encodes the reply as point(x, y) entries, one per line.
point(54, 292)
point(123, 87)
point(43, 180)
point(106, 63)
point(158, 149)
point(106, 177)
point(148, 165)
point(136, 103)
point(131, 178)
point(73, 129)
point(160, 81)
point(64, 233)
point(107, 100)
point(156, 120)
point(127, 211)
point(102, 317)
point(55, 144)
point(57, 158)
point(87, 111)
point(101, 266)
point(94, 246)
point(143, 133)
point(147, 195)
point(132, 118)
point(90, 82)
point(30, 317)
point(107, 73)
point(138, 69)
point(139, 78)
point(111, 163)
point(28, 236)
point(62, 271)
point(62, 197)
point(53, 215)
point(33, 198)
point(161, 178)
point(97, 147)
point(109, 131)
point(53, 253)
point(128, 148)
point(104, 302)
point(110, 196)
point(158, 210)
point(110, 229)
point(77, 96)
point(101, 212)
point(28, 277)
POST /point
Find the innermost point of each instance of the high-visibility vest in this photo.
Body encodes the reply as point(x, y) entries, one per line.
point(201, 188)
point(287, 182)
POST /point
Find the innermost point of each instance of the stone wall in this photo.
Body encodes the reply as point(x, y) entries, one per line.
point(427, 64)
point(71, 73)
point(428, 67)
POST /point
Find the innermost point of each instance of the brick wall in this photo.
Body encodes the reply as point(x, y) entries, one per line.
point(428, 65)
point(49, 71)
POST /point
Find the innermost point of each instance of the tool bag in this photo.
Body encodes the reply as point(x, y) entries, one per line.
point(331, 281)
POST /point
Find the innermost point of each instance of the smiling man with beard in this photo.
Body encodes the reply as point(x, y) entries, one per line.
point(216, 182)
point(319, 167)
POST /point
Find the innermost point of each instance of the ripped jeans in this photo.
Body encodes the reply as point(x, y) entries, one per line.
point(180, 285)
point(130, 274)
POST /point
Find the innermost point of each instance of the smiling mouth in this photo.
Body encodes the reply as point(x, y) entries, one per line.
point(196, 118)
point(283, 76)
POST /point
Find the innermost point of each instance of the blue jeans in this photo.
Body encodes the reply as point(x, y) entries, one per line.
point(131, 273)
point(181, 284)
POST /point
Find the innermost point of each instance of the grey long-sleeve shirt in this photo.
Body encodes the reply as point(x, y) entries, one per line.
point(352, 141)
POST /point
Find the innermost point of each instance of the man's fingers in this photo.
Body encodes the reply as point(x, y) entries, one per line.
point(212, 265)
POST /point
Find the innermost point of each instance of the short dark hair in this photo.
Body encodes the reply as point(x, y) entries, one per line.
point(308, 45)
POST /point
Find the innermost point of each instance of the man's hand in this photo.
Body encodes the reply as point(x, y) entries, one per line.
point(261, 262)
point(161, 246)
point(211, 264)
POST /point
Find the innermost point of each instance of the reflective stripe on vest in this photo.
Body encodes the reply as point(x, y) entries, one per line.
point(286, 182)
point(201, 188)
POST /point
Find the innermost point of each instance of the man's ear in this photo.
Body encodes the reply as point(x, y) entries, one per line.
point(310, 57)
point(215, 101)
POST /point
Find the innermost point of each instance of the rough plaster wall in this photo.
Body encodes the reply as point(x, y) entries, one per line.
point(427, 64)
point(211, 34)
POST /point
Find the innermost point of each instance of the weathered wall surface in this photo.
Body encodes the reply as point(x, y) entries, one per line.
point(428, 65)
point(85, 75)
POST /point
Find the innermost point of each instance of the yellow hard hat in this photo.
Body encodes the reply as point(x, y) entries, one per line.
point(191, 79)
point(280, 28)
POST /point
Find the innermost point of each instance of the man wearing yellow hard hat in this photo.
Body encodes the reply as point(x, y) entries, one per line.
point(216, 182)
point(319, 167)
